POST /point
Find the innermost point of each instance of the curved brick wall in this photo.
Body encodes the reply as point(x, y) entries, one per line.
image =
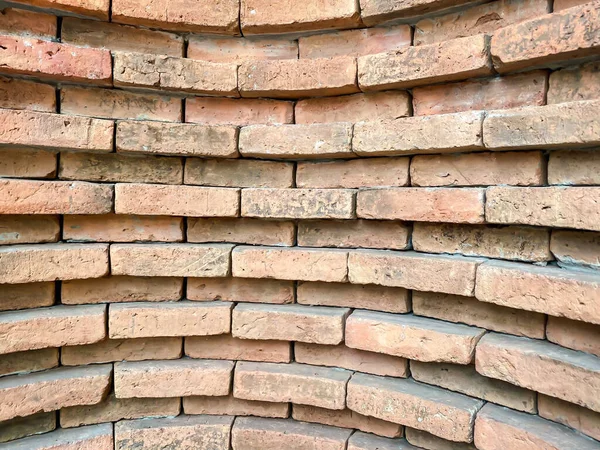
point(325, 224)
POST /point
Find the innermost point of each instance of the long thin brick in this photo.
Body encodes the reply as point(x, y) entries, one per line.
point(96, 9)
point(237, 49)
point(23, 94)
point(574, 83)
point(367, 441)
point(572, 167)
point(225, 346)
point(422, 439)
point(241, 231)
point(240, 290)
point(21, 427)
point(376, 11)
point(238, 173)
point(576, 249)
point(27, 362)
point(231, 406)
point(239, 112)
point(25, 163)
point(582, 419)
point(26, 296)
point(22, 22)
point(573, 334)
point(98, 437)
point(28, 230)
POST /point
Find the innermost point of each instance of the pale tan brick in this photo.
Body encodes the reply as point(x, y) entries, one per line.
point(178, 378)
point(28, 361)
point(240, 112)
point(422, 439)
point(98, 9)
point(367, 441)
point(559, 5)
point(165, 319)
point(238, 173)
point(240, 290)
point(574, 167)
point(574, 83)
point(573, 334)
point(225, 346)
point(22, 94)
point(241, 231)
point(25, 296)
point(236, 49)
point(231, 406)
point(22, 22)
point(582, 419)
point(21, 427)
point(318, 325)
point(576, 249)
point(376, 11)
point(98, 437)
point(28, 230)
point(25, 163)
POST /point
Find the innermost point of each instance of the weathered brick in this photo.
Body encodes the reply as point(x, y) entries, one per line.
point(574, 334)
point(412, 337)
point(443, 413)
point(224, 346)
point(317, 325)
point(22, 22)
point(420, 134)
point(287, 78)
point(112, 36)
point(576, 248)
point(238, 173)
point(540, 289)
point(49, 262)
point(453, 60)
point(582, 419)
point(567, 374)
point(296, 383)
point(165, 200)
point(559, 5)
point(574, 167)
point(574, 83)
point(23, 94)
point(241, 231)
point(411, 270)
point(458, 309)
point(28, 230)
point(518, 243)
point(351, 359)
point(98, 9)
point(110, 350)
point(165, 319)
point(24, 395)
point(236, 49)
point(498, 428)
point(25, 163)
point(548, 39)
point(26, 362)
point(231, 406)
point(178, 378)
point(354, 173)
point(346, 295)
point(21, 427)
point(376, 11)
point(422, 439)
point(568, 207)
point(367, 441)
point(116, 289)
point(240, 290)
point(171, 73)
point(290, 263)
point(98, 437)
point(25, 296)
point(240, 112)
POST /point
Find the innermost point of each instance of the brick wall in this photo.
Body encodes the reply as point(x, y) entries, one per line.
point(333, 225)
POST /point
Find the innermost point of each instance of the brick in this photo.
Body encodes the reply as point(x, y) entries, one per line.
point(113, 228)
point(28, 230)
point(184, 432)
point(236, 49)
point(112, 36)
point(176, 139)
point(346, 295)
point(497, 428)
point(412, 337)
point(573, 334)
point(298, 203)
point(110, 350)
point(54, 131)
point(241, 231)
point(22, 94)
point(318, 325)
point(231, 406)
point(53, 389)
point(290, 263)
point(287, 78)
point(22, 22)
point(351, 359)
point(115, 104)
point(411, 270)
point(547, 39)
point(565, 125)
point(296, 383)
point(240, 290)
point(224, 346)
point(582, 419)
point(49, 262)
point(511, 242)
point(98, 9)
point(458, 309)
point(238, 173)
point(21, 427)
point(567, 374)
point(25, 296)
point(364, 441)
point(568, 207)
point(485, 18)
point(574, 167)
point(25, 163)
point(559, 5)
point(52, 327)
point(55, 61)
point(540, 289)
point(116, 289)
point(346, 419)
point(171, 73)
point(376, 11)
point(115, 409)
point(444, 133)
point(28, 361)
point(178, 378)
point(354, 173)
point(574, 83)
point(98, 437)
point(164, 200)
point(165, 319)
point(239, 112)
point(443, 413)
point(576, 249)
point(453, 60)
point(254, 433)
point(422, 439)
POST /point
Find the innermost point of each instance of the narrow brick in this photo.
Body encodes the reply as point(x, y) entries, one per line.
point(377, 11)
point(238, 173)
point(574, 167)
point(224, 346)
point(574, 83)
point(26, 296)
point(317, 325)
point(27, 362)
point(236, 49)
point(96, 9)
point(540, 289)
point(25, 163)
point(239, 112)
point(240, 290)
point(296, 383)
point(468, 310)
point(241, 231)
point(443, 413)
point(422, 439)
point(165, 319)
point(559, 5)
point(290, 263)
point(367, 441)
point(573, 334)
point(21, 427)
point(582, 419)
point(98, 437)
point(231, 406)
point(178, 378)
point(22, 22)
point(411, 270)
point(28, 230)
point(576, 249)
point(567, 374)
point(23, 94)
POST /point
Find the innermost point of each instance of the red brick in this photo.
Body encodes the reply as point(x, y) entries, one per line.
point(240, 290)
point(164, 200)
point(240, 112)
point(287, 78)
point(574, 83)
point(167, 319)
point(231, 406)
point(235, 49)
point(26, 296)
point(21, 427)
point(98, 437)
point(548, 39)
point(422, 439)
point(582, 419)
point(22, 94)
point(576, 248)
point(225, 346)
point(24, 163)
point(27, 362)
point(28, 230)
point(238, 173)
point(559, 5)
point(364, 441)
point(376, 11)
point(574, 334)
point(55, 61)
point(574, 167)
point(241, 231)
point(317, 325)
point(22, 22)
point(98, 9)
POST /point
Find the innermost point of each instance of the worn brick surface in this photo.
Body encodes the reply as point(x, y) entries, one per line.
point(235, 49)
point(576, 248)
point(240, 112)
point(98, 9)
point(574, 167)
point(22, 22)
point(232, 406)
point(224, 346)
point(22, 94)
point(98, 437)
point(27, 295)
point(26, 163)
point(571, 415)
point(21, 427)
point(574, 334)
point(574, 83)
point(28, 361)
point(238, 173)
point(28, 230)
point(240, 290)
point(241, 231)
point(422, 439)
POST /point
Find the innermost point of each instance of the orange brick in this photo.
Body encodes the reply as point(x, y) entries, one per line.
point(367, 441)
point(26, 296)
point(240, 112)
point(576, 248)
point(224, 346)
point(574, 83)
point(241, 231)
point(376, 11)
point(559, 5)
point(98, 437)
point(98, 9)
point(27, 23)
point(574, 334)
point(235, 49)
point(240, 290)
point(27, 362)
point(422, 439)
point(21, 427)
point(231, 406)
point(22, 94)
point(573, 167)
point(238, 173)
point(28, 230)
point(582, 419)
point(24, 163)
